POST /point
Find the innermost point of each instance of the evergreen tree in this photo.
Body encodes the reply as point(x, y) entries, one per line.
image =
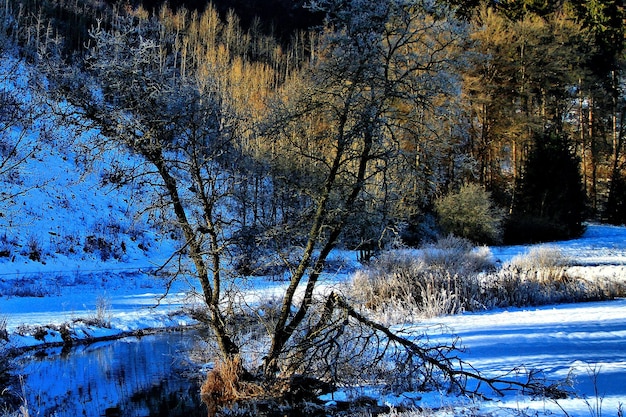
point(550, 201)
point(615, 212)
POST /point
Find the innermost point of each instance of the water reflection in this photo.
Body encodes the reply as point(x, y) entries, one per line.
point(130, 377)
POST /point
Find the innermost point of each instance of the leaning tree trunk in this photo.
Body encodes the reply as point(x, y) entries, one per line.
point(286, 328)
point(211, 292)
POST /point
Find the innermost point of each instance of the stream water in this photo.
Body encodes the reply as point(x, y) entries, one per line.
point(147, 376)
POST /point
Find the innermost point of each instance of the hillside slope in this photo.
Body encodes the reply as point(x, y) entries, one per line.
point(59, 210)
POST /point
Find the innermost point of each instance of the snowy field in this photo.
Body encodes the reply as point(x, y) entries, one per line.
point(581, 343)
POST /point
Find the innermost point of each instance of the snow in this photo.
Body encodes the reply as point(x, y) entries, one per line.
point(66, 203)
point(601, 245)
point(582, 342)
point(572, 340)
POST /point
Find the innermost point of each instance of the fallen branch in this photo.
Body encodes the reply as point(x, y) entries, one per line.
point(457, 371)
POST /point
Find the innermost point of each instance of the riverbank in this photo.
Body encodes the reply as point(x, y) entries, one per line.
point(579, 344)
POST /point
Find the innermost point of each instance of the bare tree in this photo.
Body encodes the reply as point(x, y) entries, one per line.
point(178, 127)
point(341, 119)
point(378, 65)
point(376, 68)
point(18, 142)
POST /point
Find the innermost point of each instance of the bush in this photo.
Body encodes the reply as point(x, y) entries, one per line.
point(461, 278)
point(102, 315)
point(33, 249)
point(6, 248)
point(440, 280)
point(412, 289)
point(471, 214)
point(457, 256)
point(545, 262)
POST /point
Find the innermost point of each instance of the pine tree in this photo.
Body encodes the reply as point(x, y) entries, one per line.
point(615, 211)
point(550, 201)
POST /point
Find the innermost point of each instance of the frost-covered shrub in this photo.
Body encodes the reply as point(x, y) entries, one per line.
point(65, 245)
point(453, 277)
point(546, 262)
point(511, 287)
point(441, 279)
point(33, 249)
point(7, 246)
point(541, 277)
point(457, 256)
point(102, 316)
point(470, 213)
point(107, 241)
point(97, 244)
point(440, 293)
point(385, 281)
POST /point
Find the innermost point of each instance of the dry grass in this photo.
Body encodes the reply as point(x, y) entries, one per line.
point(442, 279)
point(452, 277)
point(228, 386)
point(545, 263)
point(225, 384)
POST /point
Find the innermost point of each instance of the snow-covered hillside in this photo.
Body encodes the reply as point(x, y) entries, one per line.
point(71, 242)
point(60, 214)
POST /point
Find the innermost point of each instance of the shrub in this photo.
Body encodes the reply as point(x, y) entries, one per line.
point(7, 245)
point(546, 262)
point(442, 279)
point(65, 244)
point(512, 287)
point(105, 248)
point(102, 315)
point(447, 281)
point(33, 249)
point(471, 214)
point(457, 256)
point(385, 282)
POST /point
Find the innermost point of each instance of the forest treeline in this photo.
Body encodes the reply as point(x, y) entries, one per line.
point(391, 122)
point(509, 127)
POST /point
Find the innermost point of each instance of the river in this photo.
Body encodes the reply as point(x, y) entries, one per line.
point(147, 376)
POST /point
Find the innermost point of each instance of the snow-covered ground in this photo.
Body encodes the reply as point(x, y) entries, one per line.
point(579, 343)
point(582, 343)
point(71, 251)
